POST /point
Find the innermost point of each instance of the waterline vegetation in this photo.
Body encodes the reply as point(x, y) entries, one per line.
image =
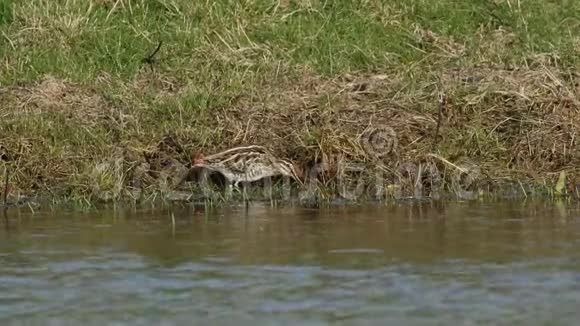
point(107, 100)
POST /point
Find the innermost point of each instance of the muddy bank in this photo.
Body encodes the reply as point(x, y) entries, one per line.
point(459, 131)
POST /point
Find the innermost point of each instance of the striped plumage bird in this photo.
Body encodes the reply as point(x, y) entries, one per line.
point(247, 164)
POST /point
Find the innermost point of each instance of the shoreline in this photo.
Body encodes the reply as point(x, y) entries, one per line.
point(298, 198)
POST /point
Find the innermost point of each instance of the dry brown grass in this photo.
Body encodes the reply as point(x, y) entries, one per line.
point(348, 90)
point(517, 124)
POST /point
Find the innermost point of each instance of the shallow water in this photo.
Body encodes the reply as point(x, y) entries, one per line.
point(413, 263)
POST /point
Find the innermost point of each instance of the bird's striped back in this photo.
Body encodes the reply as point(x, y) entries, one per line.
point(249, 163)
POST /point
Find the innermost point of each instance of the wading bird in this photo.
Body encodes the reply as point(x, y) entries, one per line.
point(247, 164)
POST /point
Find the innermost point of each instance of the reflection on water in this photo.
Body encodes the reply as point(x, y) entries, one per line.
point(415, 262)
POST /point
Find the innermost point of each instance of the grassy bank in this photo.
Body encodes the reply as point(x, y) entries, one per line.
point(434, 95)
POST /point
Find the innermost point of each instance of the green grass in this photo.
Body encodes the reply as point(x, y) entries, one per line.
point(224, 54)
point(82, 39)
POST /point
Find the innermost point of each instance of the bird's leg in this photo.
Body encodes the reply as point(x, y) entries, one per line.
point(268, 189)
point(229, 190)
point(245, 194)
point(203, 182)
point(231, 186)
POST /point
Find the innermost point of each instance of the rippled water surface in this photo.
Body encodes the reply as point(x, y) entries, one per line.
point(414, 263)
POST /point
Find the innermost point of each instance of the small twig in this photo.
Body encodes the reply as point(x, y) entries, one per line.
point(6, 187)
point(442, 159)
point(172, 224)
point(150, 58)
point(442, 101)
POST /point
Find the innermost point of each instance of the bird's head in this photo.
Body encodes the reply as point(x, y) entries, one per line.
point(198, 159)
point(298, 172)
point(292, 170)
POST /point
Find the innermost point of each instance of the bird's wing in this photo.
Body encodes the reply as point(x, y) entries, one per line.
point(237, 150)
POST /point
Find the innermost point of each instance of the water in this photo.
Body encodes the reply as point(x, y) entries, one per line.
point(414, 263)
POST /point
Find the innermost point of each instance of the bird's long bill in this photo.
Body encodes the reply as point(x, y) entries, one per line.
point(286, 168)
